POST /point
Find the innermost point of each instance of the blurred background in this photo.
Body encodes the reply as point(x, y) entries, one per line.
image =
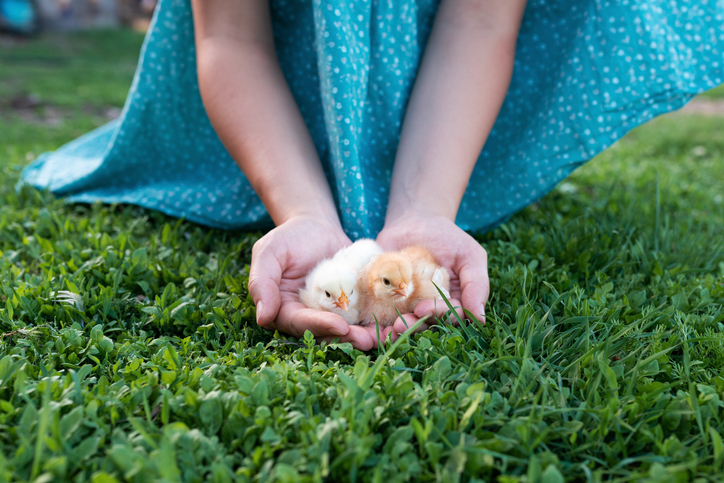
point(32, 16)
point(65, 69)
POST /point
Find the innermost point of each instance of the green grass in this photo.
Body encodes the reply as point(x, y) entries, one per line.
point(716, 93)
point(72, 80)
point(602, 359)
point(95, 67)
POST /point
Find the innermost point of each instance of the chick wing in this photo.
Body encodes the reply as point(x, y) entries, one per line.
point(426, 274)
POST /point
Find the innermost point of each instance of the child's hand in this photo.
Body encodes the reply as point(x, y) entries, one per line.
point(454, 249)
point(280, 262)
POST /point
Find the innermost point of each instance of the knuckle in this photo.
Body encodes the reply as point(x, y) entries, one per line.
point(253, 282)
point(261, 245)
point(257, 248)
point(319, 329)
point(295, 332)
point(253, 285)
point(281, 325)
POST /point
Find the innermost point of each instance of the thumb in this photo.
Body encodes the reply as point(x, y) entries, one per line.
point(265, 274)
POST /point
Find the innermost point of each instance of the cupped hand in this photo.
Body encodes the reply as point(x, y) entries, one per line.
point(280, 262)
point(463, 257)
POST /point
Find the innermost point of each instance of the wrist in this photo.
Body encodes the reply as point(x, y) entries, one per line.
point(320, 212)
point(327, 230)
point(300, 199)
point(410, 207)
point(421, 188)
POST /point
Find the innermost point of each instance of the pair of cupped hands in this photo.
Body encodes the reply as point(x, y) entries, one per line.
point(282, 258)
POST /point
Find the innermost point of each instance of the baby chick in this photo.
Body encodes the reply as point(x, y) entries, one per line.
point(359, 254)
point(427, 270)
point(397, 281)
point(333, 285)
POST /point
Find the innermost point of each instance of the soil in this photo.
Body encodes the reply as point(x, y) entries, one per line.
point(708, 107)
point(33, 110)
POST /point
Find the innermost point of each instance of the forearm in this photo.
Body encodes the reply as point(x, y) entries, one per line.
point(252, 110)
point(463, 79)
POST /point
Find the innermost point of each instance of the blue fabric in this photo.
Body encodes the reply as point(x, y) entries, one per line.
point(586, 72)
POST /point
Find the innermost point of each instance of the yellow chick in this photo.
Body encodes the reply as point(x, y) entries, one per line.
point(397, 281)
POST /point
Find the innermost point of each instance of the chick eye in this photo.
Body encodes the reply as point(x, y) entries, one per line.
point(351, 292)
point(385, 281)
point(327, 293)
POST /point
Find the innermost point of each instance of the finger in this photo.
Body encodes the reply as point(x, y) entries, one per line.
point(437, 308)
point(357, 336)
point(294, 318)
point(265, 274)
point(474, 282)
point(372, 331)
point(424, 326)
point(384, 332)
point(405, 322)
point(454, 286)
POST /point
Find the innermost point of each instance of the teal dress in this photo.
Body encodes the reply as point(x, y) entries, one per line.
point(586, 72)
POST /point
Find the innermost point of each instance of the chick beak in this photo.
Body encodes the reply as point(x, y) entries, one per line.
point(400, 290)
point(342, 302)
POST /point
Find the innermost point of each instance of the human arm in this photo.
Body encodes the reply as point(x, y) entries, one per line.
point(251, 108)
point(460, 87)
point(254, 114)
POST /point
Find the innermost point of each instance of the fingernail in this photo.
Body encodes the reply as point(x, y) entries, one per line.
point(259, 311)
point(337, 331)
point(482, 314)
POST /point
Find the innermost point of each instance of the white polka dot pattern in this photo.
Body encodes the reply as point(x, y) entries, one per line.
point(585, 73)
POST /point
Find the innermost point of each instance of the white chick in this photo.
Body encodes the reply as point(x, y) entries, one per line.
point(359, 254)
point(333, 285)
point(397, 281)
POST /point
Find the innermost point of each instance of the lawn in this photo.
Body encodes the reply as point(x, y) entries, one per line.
point(602, 359)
